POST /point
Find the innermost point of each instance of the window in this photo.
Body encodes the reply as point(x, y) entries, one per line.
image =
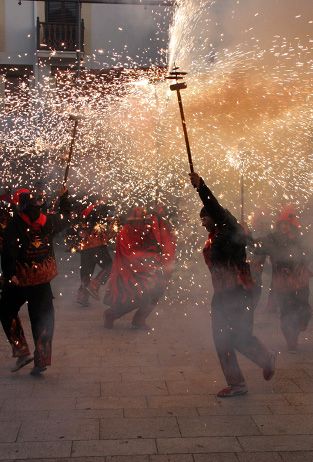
point(62, 12)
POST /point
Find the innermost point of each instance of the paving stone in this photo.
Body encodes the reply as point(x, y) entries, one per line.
point(276, 443)
point(29, 404)
point(110, 402)
point(119, 371)
point(259, 457)
point(77, 361)
point(113, 447)
point(280, 425)
point(197, 445)
point(179, 401)
point(299, 398)
point(67, 373)
point(215, 458)
point(226, 408)
point(54, 430)
point(161, 412)
point(212, 374)
point(135, 397)
point(127, 459)
point(172, 458)
point(308, 370)
point(185, 387)
point(23, 416)
point(86, 414)
point(256, 398)
point(305, 384)
point(219, 426)
point(286, 409)
point(74, 390)
point(300, 456)
point(66, 459)
point(133, 360)
point(44, 450)
point(290, 373)
point(139, 428)
point(286, 386)
point(141, 388)
point(9, 431)
point(153, 373)
point(101, 375)
point(12, 389)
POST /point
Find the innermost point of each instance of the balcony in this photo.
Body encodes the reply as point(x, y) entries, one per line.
point(63, 37)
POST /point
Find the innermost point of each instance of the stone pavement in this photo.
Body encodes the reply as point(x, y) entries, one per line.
point(128, 396)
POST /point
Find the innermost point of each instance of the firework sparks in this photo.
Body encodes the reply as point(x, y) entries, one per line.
point(250, 85)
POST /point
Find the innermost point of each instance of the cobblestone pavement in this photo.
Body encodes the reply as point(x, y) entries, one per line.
point(129, 396)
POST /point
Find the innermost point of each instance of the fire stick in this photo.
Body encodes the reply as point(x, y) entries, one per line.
point(177, 87)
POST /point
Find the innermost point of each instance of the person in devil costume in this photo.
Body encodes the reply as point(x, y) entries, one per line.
point(5, 215)
point(291, 275)
point(143, 263)
point(232, 303)
point(28, 265)
point(94, 232)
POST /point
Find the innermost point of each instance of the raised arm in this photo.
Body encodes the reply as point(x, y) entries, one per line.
point(61, 220)
point(211, 204)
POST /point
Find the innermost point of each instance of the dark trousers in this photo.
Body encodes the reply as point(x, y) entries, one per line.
point(41, 314)
point(141, 314)
point(143, 304)
point(232, 326)
point(89, 258)
point(295, 314)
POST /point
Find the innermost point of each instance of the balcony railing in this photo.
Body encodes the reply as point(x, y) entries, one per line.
point(59, 36)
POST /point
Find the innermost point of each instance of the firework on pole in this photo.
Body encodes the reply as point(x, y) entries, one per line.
point(178, 75)
point(75, 119)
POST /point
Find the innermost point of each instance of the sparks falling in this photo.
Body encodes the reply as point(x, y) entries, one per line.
point(248, 108)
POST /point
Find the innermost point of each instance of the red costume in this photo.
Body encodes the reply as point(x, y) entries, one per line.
point(145, 252)
point(94, 233)
point(290, 274)
point(28, 265)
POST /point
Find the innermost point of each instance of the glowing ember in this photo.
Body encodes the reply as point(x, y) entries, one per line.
point(250, 77)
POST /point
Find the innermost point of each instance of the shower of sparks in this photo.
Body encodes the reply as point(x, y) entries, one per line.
point(251, 84)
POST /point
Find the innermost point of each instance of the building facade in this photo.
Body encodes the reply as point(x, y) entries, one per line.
point(39, 37)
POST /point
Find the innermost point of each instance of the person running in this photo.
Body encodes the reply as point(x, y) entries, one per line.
point(28, 265)
point(143, 263)
point(94, 232)
point(232, 304)
point(291, 275)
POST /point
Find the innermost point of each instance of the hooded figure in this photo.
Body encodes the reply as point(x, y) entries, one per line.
point(28, 265)
point(145, 251)
point(232, 304)
point(95, 229)
point(290, 274)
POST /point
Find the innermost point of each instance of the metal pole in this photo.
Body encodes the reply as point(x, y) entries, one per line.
point(79, 38)
point(183, 120)
point(242, 198)
point(157, 188)
point(70, 153)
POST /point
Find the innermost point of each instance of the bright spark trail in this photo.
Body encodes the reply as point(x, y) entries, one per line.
point(250, 87)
